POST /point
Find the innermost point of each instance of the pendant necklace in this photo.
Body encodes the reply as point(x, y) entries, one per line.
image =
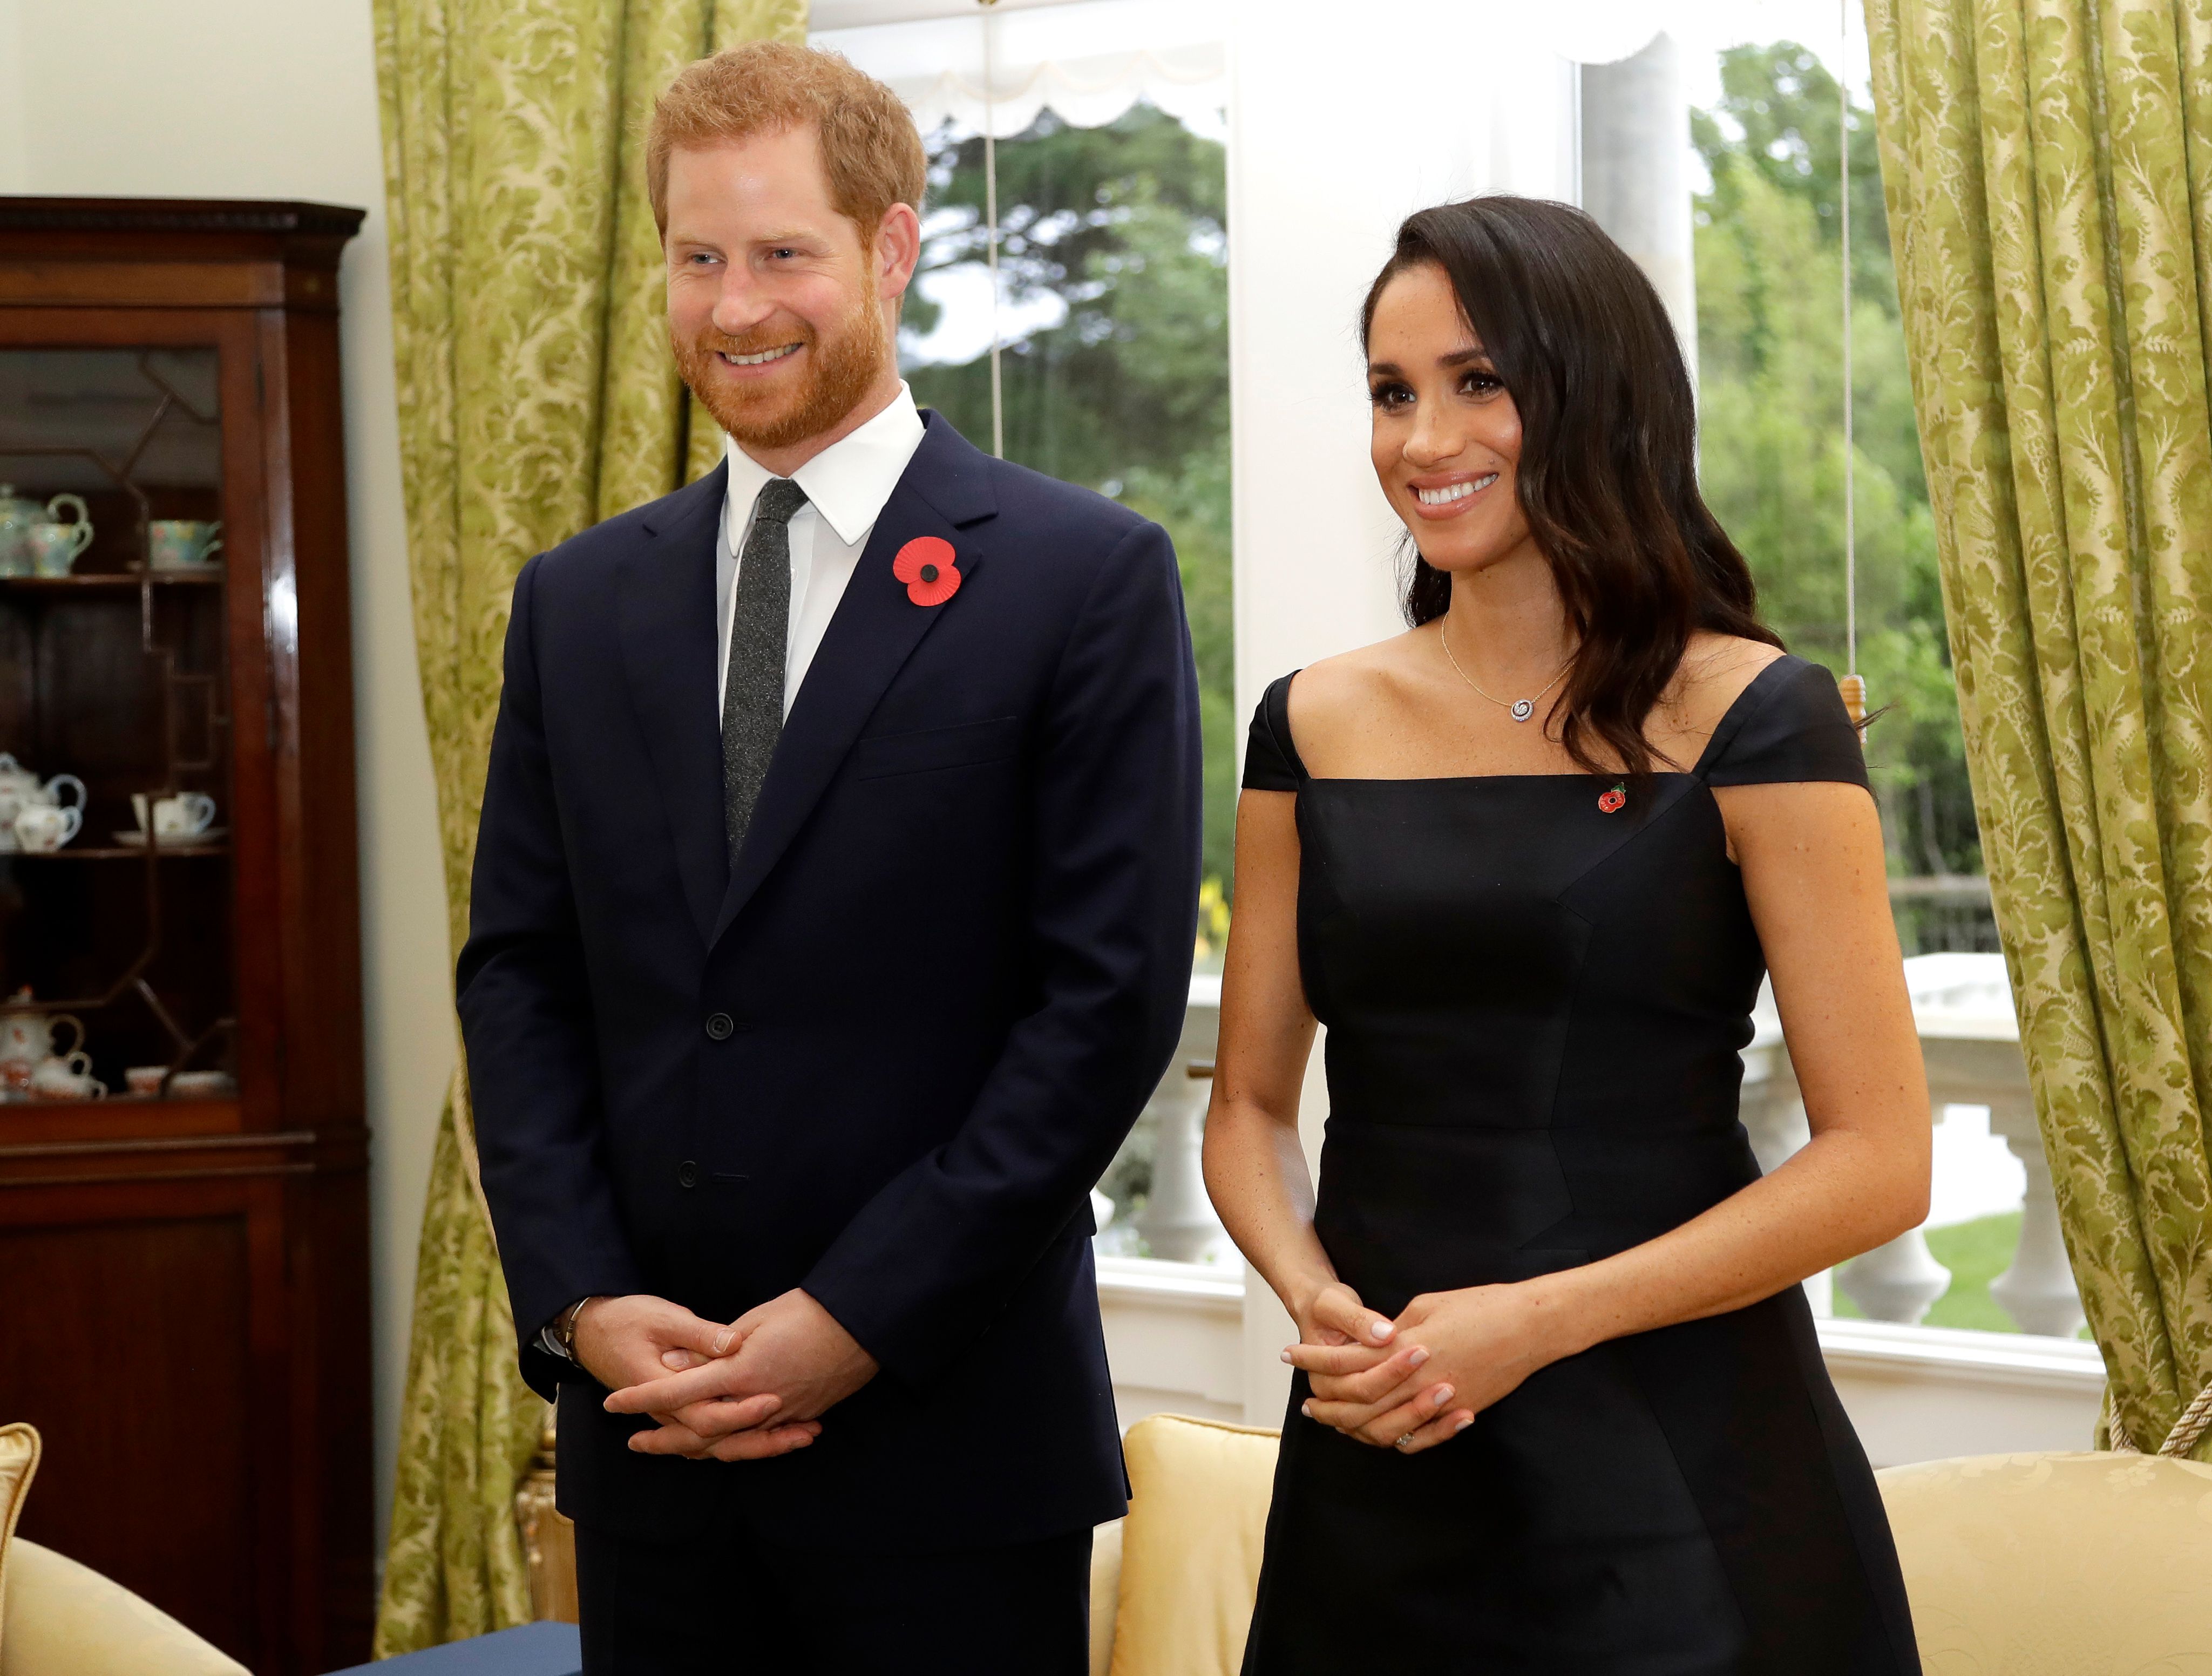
point(1520, 708)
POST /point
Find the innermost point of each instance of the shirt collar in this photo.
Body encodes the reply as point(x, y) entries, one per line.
point(849, 482)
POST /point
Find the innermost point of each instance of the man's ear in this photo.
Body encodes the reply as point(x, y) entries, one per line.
point(898, 251)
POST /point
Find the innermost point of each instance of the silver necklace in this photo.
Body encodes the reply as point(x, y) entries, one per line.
point(1520, 708)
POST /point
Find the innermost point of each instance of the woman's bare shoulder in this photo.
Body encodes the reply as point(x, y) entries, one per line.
point(1349, 692)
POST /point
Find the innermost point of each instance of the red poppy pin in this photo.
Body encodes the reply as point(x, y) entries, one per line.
point(1613, 802)
point(925, 565)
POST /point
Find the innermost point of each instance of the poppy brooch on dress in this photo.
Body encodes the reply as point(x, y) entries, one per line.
point(1613, 802)
point(925, 565)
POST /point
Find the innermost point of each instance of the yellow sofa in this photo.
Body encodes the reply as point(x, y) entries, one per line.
point(60, 1618)
point(2017, 1565)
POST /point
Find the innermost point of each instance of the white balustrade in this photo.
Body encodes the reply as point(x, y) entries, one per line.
point(1970, 1040)
point(1178, 1221)
point(1970, 1036)
point(2038, 1289)
point(1899, 1281)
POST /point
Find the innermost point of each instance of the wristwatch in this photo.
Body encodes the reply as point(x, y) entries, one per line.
point(560, 1335)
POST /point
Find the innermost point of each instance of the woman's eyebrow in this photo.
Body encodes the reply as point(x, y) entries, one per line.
point(1462, 357)
point(1385, 369)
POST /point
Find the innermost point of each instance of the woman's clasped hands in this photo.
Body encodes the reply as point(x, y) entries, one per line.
point(1419, 1380)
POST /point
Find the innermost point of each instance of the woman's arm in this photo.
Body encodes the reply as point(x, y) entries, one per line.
point(1813, 875)
point(1255, 1169)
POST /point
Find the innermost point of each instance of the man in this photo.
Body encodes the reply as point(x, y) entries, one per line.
point(832, 919)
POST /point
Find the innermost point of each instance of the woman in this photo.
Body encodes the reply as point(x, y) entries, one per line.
point(1559, 1406)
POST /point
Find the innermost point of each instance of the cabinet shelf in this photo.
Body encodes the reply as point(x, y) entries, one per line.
point(116, 853)
point(111, 581)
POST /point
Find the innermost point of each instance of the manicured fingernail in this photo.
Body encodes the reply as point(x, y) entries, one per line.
point(1287, 1356)
point(722, 1340)
point(1416, 1359)
point(1306, 1409)
point(1462, 1425)
point(1442, 1397)
point(1380, 1331)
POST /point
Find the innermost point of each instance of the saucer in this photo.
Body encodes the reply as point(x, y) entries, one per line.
point(194, 841)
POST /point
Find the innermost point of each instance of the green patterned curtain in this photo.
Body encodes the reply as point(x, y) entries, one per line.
point(2048, 166)
point(536, 397)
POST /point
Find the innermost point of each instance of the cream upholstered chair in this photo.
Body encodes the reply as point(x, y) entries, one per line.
point(2056, 1564)
point(19, 1463)
point(60, 1618)
point(2017, 1565)
point(1181, 1570)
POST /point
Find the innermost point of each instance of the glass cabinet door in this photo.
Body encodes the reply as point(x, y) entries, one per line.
point(116, 959)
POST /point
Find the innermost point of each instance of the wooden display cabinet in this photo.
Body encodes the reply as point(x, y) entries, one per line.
point(183, 1272)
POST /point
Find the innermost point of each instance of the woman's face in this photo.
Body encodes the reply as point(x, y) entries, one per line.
point(1446, 434)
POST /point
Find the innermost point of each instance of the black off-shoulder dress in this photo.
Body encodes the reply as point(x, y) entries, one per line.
point(1535, 1002)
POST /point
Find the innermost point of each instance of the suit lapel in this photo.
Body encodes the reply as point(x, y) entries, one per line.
point(874, 631)
point(669, 655)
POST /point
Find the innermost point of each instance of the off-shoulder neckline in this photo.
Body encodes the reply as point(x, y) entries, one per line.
point(1723, 734)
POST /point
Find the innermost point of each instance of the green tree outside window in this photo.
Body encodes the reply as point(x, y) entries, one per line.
point(1120, 233)
point(1770, 341)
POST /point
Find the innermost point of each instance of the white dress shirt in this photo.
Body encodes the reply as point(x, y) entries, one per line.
point(847, 485)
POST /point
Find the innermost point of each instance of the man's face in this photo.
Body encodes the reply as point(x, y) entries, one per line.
point(777, 308)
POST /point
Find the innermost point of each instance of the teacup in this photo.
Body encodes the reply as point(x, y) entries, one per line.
point(67, 1077)
point(181, 543)
point(186, 815)
point(145, 1080)
point(51, 545)
point(44, 828)
point(203, 1085)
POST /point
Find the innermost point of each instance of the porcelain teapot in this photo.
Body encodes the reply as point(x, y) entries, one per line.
point(20, 789)
point(27, 1039)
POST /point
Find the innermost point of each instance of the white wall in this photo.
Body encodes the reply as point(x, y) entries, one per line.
point(1337, 134)
point(277, 99)
point(1335, 137)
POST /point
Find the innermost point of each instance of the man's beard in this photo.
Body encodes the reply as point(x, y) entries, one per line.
point(844, 367)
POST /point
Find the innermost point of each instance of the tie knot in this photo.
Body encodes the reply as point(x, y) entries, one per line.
point(780, 499)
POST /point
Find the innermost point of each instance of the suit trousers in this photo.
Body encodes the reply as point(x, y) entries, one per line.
point(731, 1603)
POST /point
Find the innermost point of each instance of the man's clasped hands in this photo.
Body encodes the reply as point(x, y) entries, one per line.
point(742, 1390)
point(1419, 1380)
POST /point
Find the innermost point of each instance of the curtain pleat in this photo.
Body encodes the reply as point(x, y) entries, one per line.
point(536, 397)
point(2048, 169)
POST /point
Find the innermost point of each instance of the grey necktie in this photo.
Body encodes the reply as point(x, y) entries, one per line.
point(760, 630)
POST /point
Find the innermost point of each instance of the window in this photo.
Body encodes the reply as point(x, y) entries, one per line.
point(1114, 367)
point(1765, 130)
point(1109, 312)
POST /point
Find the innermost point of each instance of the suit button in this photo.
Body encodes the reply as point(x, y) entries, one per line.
point(719, 1025)
point(687, 1174)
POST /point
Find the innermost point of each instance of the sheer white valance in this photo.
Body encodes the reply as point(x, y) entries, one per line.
point(1088, 62)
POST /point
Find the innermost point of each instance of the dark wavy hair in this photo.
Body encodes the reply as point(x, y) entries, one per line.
point(1608, 472)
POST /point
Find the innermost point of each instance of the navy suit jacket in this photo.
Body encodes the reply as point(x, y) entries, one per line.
point(886, 1056)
